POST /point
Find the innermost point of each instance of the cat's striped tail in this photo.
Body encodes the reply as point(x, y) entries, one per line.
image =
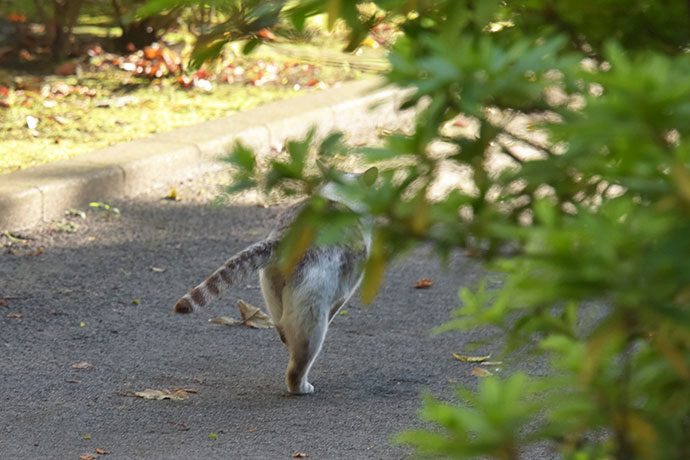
point(232, 271)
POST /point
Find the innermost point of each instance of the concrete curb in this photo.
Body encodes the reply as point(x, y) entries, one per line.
point(30, 196)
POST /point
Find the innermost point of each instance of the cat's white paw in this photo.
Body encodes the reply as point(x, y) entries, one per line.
point(305, 388)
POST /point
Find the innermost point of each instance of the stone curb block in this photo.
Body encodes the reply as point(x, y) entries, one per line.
point(45, 192)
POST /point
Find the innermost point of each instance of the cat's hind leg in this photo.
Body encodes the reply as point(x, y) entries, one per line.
point(305, 330)
point(303, 353)
point(272, 284)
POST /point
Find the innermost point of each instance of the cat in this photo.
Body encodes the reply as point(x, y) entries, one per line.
point(303, 303)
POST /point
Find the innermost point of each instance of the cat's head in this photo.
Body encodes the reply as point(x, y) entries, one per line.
point(335, 189)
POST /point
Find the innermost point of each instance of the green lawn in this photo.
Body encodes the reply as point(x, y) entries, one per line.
point(49, 117)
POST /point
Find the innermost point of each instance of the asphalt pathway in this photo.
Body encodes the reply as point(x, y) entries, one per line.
point(103, 295)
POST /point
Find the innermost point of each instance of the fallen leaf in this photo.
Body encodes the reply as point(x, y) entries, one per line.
point(479, 372)
point(82, 324)
point(101, 451)
point(471, 359)
point(72, 381)
point(15, 315)
point(153, 51)
point(24, 55)
point(213, 436)
point(16, 17)
point(225, 321)
point(267, 34)
point(198, 380)
point(188, 390)
point(251, 317)
point(178, 395)
point(423, 283)
point(62, 121)
point(157, 270)
point(3, 302)
point(81, 365)
point(75, 213)
point(87, 436)
point(173, 195)
point(492, 363)
point(300, 455)
point(86, 457)
point(180, 426)
point(370, 42)
point(14, 238)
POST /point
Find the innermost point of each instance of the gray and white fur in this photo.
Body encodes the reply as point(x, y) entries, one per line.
point(303, 303)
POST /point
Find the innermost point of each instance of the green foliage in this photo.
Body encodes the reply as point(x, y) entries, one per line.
point(491, 423)
point(589, 230)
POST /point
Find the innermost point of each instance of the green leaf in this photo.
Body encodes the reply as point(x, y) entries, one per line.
point(206, 49)
point(374, 270)
point(251, 45)
point(242, 157)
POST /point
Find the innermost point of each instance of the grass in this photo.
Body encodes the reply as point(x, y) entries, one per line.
point(118, 112)
point(104, 105)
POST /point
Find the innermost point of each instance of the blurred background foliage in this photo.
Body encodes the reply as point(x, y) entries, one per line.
point(119, 70)
point(551, 140)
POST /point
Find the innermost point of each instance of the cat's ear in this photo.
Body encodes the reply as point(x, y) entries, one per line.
point(368, 177)
point(322, 167)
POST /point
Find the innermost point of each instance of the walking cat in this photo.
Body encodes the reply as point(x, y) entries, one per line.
point(303, 303)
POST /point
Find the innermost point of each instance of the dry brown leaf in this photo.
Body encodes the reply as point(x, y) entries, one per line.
point(179, 426)
point(479, 372)
point(15, 315)
point(423, 283)
point(188, 390)
point(3, 302)
point(86, 457)
point(300, 455)
point(101, 451)
point(178, 395)
point(471, 359)
point(251, 317)
point(81, 365)
point(225, 321)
